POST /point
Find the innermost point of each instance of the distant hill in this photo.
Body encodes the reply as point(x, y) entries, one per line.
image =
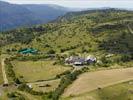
point(108, 30)
point(14, 16)
point(46, 12)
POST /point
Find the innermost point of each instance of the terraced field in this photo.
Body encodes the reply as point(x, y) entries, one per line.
point(92, 80)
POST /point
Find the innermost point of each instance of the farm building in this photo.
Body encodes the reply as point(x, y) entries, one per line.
point(78, 61)
point(28, 51)
point(75, 60)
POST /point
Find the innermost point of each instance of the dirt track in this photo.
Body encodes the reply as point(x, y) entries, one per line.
point(92, 80)
point(4, 72)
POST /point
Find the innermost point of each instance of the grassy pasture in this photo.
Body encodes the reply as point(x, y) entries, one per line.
point(41, 86)
point(121, 91)
point(92, 80)
point(37, 70)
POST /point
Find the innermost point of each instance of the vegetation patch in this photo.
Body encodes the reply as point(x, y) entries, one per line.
point(66, 80)
point(10, 72)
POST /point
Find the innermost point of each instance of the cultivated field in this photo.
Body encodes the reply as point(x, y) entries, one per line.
point(92, 80)
point(32, 71)
point(122, 91)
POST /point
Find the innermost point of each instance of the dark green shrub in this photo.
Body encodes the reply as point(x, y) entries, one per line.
point(51, 51)
point(11, 95)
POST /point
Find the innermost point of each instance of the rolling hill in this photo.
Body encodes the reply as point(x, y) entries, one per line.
point(85, 31)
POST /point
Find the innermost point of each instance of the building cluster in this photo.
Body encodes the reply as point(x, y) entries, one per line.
point(79, 61)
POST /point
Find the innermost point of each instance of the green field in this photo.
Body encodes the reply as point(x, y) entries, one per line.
point(32, 71)
point(122, 91)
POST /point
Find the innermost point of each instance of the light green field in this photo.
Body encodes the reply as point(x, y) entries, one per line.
point(41, 86)
point(92, 80)
point(37, 70)
point(122, 91)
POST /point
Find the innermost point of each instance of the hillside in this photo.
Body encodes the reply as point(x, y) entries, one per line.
point(14, 16)
point(85, 31)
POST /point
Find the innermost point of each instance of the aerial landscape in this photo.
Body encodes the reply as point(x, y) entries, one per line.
point(66, 50)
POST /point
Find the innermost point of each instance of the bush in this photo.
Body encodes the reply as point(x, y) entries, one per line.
point(11, 95)
point(47, 96)
point(17, 81)
point(62, 74)
point(125, 58)
point(51, 51)
point(15, 96)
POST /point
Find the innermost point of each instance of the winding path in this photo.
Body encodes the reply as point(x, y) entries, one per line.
point(4, 72)
point(130, 29)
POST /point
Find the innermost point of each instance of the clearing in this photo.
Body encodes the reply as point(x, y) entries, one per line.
point(32, 71)
point(92, 80)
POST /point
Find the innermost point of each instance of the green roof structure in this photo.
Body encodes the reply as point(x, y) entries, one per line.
point(28, 51)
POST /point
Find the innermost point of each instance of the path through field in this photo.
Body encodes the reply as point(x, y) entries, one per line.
point(4, 72)
point(92, 80)
point(130, 29)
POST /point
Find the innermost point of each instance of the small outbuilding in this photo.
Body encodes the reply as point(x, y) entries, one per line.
point(28, 51)
point(90, 59)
